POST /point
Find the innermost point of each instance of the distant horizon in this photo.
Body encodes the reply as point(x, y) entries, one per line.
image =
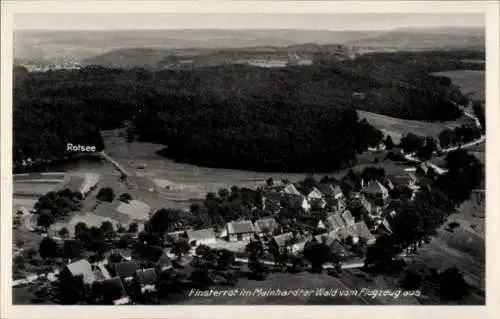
point(250, 21)
point(256, 29)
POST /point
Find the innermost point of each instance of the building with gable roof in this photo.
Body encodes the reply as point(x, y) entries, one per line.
point(239, 230)
point(78, 269)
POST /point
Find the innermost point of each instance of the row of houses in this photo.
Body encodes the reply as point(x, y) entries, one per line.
point(113, 281)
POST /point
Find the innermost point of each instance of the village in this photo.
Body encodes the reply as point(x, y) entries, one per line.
point(122, 250)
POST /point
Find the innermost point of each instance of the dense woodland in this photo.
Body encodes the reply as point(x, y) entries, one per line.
point(235, 116)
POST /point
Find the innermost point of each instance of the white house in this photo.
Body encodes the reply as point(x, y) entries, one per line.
point(240, 230)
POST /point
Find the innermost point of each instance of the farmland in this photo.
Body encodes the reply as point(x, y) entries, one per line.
point(179, 182)
point(396, 128)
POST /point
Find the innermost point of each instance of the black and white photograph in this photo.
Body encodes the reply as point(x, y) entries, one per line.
point(248, 159)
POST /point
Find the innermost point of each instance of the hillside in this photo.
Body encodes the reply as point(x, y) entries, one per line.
point(82, 45)
point(408, 39)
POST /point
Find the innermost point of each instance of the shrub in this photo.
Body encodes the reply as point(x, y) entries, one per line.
point(106, 194)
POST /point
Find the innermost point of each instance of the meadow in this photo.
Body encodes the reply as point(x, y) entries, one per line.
point(396, 127)
point(469, 81)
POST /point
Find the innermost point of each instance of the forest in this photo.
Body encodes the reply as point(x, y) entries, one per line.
point(294, 119)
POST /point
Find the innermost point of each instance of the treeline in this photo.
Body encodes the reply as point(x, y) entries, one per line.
point(459, 135)
point(299, 118)
point(425, 146)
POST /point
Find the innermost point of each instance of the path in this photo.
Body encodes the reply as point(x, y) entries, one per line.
point(351, 265)
point(117, 165)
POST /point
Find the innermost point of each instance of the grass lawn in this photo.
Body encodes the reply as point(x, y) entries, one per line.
point(396, 128)
point(30, 239)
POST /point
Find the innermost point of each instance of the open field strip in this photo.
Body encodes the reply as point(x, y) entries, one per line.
point(396, 128)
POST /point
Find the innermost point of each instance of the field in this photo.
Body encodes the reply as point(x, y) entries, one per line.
point(469, 81)
point(463, 248)
point(396, 128)
point(179, 182)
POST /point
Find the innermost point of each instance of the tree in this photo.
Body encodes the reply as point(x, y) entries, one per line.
point(479, 112)
point(317, 254)
point(80, 228)
point(18, 266)
point(270, 182)
point(309, 182)
point(45, 219)
point(428, 147)
point(255, 249)
point(225, 258)
point(125, 197)
point(106, 194)
point(63, 232)
point(202, 277)
point(452, 285)
point(48, 248)
point(133, 228)
point(180, 248)
point(108, 229)
point(446, 138)
point(411, 142)
point(411, 280)
point(19, 243)
point(389, 143)
point(194, 208)
point(223, 193)
point(125, 241)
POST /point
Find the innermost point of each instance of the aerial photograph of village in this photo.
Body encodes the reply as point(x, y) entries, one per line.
point(248, 159)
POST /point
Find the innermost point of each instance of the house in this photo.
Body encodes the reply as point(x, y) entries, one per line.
point(240, 230)
point(292, 243)
point(290, 189)
point(123, 254)
point(372, 209)
point(101, 273)
point(330, 190)
point(375, 190)
point(333, 222)
point(348, 218)
point(174, 236)
point(111, 291)
point(327, 238)
point(155, 255)
point(383, 227)
point(81, 268)
point(126, 270)
point(265, 226)
point(146, 279)
point(409, 180)
point(363, 231)
point(201, 237)
point(314, 193)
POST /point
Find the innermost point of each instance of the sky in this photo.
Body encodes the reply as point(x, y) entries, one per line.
point(244, 21)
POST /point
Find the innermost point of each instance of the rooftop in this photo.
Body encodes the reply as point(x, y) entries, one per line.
point(240, 227)
point(200, 234)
